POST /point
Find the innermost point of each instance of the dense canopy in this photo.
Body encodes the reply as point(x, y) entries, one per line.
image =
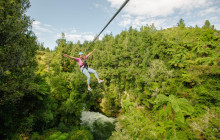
point(159, 84)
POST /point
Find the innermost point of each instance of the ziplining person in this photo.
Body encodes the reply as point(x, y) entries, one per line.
point(84, 67)
point(82, 60)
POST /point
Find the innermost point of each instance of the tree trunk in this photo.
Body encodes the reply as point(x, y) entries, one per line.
point(174, 127)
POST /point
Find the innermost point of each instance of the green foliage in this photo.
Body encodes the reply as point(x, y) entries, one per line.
point(179, 105)
point(127, 104)
point(161, 84)
point(58, 136)
point(181, 23)
point(175, 109)
point(22, 93)
point(81, 135)
point(134, 124)
point(73, 134)
point(208, 92)
point(207, 126)
point(164, 73)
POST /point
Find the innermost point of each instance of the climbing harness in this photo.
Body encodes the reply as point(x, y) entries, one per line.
point(85, 65)
point(123, 5)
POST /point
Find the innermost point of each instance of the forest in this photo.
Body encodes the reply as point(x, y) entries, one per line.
point(158, 83)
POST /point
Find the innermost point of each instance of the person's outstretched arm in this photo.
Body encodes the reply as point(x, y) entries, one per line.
point(89, 54)
point(65, 55)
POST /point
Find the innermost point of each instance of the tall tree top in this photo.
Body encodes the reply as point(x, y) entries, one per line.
point(181, 23)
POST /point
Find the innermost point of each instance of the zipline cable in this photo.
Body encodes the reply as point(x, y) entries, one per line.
point(123, 5)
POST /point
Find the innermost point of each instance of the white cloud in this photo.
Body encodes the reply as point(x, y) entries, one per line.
point(99, 5)
point(86, 33)
point(41, 27)
point(73, 31)
point(89, 37)
point(166, 13)
point(36, 22)
point(107, 31)
point(46, 33)
point(126, 20)
point(217, 26)
point(75, 36)
point(84, 36)
point(139, 21)
point(154, 8)
point(47, 25)
point(210, 10)
point(104, 7)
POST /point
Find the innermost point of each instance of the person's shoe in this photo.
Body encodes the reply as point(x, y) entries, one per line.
point(100, 81)
point(89, 89)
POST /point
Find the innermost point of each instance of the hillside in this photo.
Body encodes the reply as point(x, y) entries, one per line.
point(165, 83)
point(158, 84)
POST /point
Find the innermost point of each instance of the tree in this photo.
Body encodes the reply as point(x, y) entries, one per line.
point(41, 46)
point(181, 23)
point(206, 25)
point(20, 89)
point(178, 106)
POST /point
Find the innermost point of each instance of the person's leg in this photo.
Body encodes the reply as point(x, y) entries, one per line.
point(86, 72)
point(93, 71)
point(96, 75)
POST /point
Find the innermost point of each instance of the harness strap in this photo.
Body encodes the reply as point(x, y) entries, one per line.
point(84, 64)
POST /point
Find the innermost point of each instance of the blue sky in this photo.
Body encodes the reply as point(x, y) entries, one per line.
point(83, 19)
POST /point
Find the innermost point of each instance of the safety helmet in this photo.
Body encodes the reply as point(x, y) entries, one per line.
point(80, 53)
